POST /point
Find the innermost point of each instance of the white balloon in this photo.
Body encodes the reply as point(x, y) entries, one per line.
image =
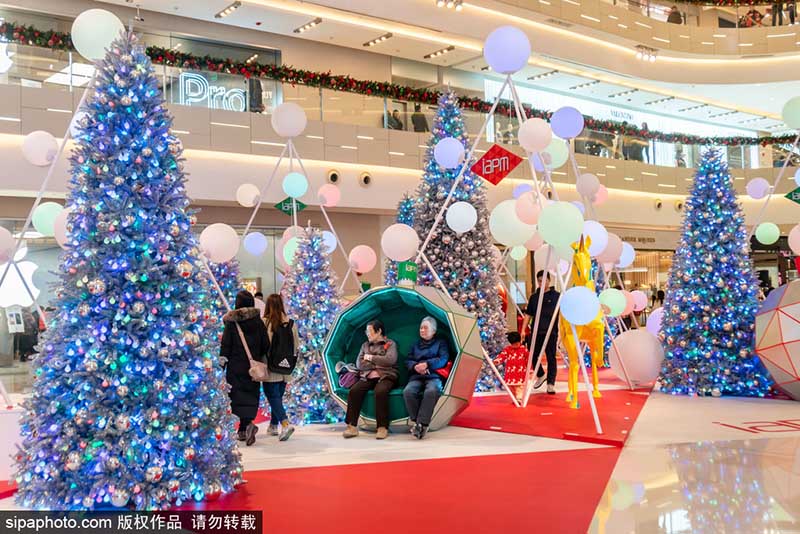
point(7, 244)
point(461, 217)
point(449, 153)
point(507, 50)
point(39, 148)
point(93, 31)
point(13, 292)
point(580, 305)
point(627, 256)
point(399, 242)
point(328, 242)
point(588, 184)
point(598, 235)
point(60, 228)
point(256, 243)
point(247, 195)
point(288, 120)
point(535, 135)
point(219, 242)
point(642, 352)
point(506, 227)
point(757, 188)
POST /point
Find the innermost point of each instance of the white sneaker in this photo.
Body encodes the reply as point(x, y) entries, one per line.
point(551, 389)
point(286, 432)
point(539, 381)
point(272, 430)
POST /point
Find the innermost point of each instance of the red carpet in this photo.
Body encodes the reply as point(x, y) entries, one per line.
point(542, 492)
point(550, 416)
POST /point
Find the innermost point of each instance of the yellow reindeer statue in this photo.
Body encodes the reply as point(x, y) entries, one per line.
point(592, 334)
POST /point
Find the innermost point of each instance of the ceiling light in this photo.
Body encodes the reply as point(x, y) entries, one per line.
point(441, 52)
point(380, 39)
point(307, 26)
point(228, 10)
point(543, 75)
point(451, 4)
point(251, 58)
point(176, 47)
point(439, 3)
point(459, 6)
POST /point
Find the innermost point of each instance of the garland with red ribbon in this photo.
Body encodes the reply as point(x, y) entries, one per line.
point(29, 35)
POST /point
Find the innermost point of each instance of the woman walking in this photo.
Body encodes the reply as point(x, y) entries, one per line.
point(284, 343)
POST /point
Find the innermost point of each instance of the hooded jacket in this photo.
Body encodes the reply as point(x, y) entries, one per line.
point(244, 392)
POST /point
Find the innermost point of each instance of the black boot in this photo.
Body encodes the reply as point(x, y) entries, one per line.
point(250, 434)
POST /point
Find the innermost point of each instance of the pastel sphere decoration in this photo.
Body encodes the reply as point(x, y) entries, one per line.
point(580, 305)
point(247, 195)
point(219, 242)
point(613, 300)
point(329, 195)
point(93, 31)
point(256, 243)
point(654, 321)
point(791, 113)
point(328, 242)
point(292, 231)
point(598, 236)
point(567, 122)
point(613, 250)
point(587, 185)
point(39, 148)
point(363, 259)
point(797, 177)
point(757, 188)
point(290, 249)
point(527, 208)
point(630, 304)
point(535, 135)
point(552, 262)
point(7, 244)
point(60, 228)
point(506, 227)
point(601, 196)
point(559, 152)
point(288, 120)
point(626, 256)
point(642, 352)
point(399, 242)
point(534, 243)
point(639, 300)
point(44, 217)
point(295, 184)
point(560, 224)
point(794, 240)
point(767, 233)
point(507, 50)
point(519, 189)
point(461, 217)
point(518, 253)
point(449, 153)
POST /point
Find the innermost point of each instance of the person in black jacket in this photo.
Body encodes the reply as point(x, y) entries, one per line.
point(244, 391)
point(549, 302)
point(424, 384)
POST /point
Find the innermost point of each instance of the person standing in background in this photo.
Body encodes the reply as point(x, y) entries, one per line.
point(418, 120)
point(260, 305)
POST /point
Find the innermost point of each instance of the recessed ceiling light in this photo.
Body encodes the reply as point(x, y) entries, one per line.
point(441, 52)
point(378, 40)
point(228, 10)
point(307, 26)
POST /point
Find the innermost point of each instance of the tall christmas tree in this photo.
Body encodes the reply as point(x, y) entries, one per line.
point(710, 307)
point(227, 275)
point(129, 405)
point(313, 300)
point(405, 215)
point(463, 261)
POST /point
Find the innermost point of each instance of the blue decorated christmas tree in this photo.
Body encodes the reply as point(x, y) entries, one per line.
point(129, 405)
point(227, 275)
point(313, 300)
point(463, 261)
point(709, 312)
point(405, 215)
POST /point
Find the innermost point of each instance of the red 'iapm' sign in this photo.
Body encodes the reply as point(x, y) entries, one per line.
point(496, 164)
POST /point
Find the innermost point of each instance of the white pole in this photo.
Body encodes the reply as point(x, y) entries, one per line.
point(265, 188)
point(772, 190)
point(582, 349)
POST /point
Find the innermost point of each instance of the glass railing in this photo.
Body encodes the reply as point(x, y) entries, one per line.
point(715, 16)
point(40, 67)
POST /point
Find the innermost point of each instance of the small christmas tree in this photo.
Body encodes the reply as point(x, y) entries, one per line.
point(710, 307)
point(405, 215)
point(313, 300)
point(227, 275)
point(464, 262)
point(129, 405)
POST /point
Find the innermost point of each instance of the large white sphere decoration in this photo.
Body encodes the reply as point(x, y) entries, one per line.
point(93, 32)
point(642, 352)
point(6, 244)
point(757, 188)
point(328, 242)
point(288, 120)
point(60, 228)
point(247, 195)
point(791, 113)
point(587, 185)
point(518, 253)
point(363, 259)
point(535, 135)
point(639, 300)
point(295, 184)
point(507, 50)
point(580, 305)
point(449, 153)
point(527, 208)
point(329, 195)
point(598, 236)
point(256, 243)
point(654, 321)
point(567, 122)
point(399, 242)
point(613, 250)
point(219, 242)
point(506, 227)
point(13, 291)
point(560, 224)
point(626, 256)
point(292, 231)
point(39, 148)
point(794, 240)
point(44, 217)
point(461, 217)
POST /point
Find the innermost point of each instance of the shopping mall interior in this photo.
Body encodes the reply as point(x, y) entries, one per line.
point(263, 259)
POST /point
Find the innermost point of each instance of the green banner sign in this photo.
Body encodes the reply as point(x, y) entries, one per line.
point(286, 206)
point(794, 196)
point(407, 273)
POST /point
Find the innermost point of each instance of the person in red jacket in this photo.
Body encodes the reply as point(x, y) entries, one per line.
point(515, 357)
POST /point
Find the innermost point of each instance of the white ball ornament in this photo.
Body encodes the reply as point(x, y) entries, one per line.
point(597, 235)
point(642, 352)
point(507, 50)
point(256, 243)
point(219, 242)
point(399, 242)
point(449, 153)
point(295, 184)
point(757, 188)
point(580, 305)
point(39, 148)
point(506, 227)
point(461, 217)
point(93, 31)
point(288, 120)
point(518, 253)
point(247, 195)
point(626, 256)
point(567, 122)
point(560, 224)
point(535, 135)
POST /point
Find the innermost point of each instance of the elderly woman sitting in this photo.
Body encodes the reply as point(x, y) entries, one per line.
point(377, 367)
point(424, 383)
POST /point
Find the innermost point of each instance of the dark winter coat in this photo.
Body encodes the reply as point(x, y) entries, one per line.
point(384, 359)
point(244, 392)
point(434, 352)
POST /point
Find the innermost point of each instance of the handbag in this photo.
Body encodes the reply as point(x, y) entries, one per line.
point(258, 370)
point(348, 374)
point(444, 372)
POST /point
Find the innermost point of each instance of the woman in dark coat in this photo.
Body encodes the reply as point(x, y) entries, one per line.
point(244, 392)
point(424, 388)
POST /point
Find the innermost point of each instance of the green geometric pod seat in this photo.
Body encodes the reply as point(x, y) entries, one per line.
point(402, 309)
